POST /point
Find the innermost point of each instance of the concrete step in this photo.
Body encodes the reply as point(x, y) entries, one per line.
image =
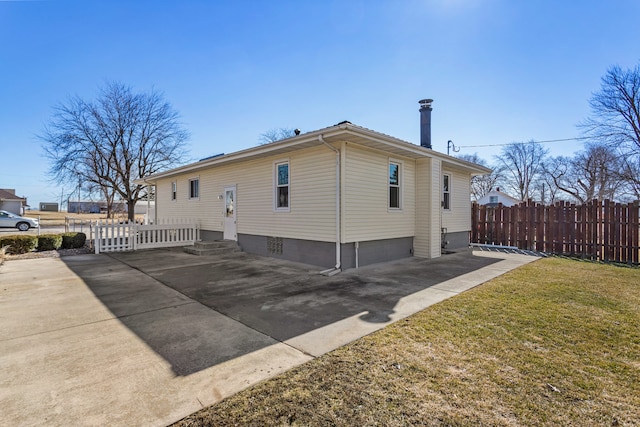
point(214, 247)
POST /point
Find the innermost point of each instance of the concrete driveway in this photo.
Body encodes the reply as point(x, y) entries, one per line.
point(148, 337)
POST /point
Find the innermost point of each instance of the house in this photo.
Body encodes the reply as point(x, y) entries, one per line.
point(147, 208)
point(49, 207)
point(11, 203)
point(343, 196)
point(495, 197)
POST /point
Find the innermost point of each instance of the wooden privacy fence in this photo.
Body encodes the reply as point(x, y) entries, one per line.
point(114, 235)
point(604, 231)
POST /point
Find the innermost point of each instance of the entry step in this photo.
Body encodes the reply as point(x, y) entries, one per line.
point(213, 247)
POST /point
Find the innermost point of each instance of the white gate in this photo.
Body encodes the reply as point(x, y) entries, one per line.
point(111, 236)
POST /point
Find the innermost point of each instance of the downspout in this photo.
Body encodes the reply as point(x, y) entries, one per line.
point(357, 245)
point(336, 269)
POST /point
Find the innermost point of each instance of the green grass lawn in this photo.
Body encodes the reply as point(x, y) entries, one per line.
point(554, 343)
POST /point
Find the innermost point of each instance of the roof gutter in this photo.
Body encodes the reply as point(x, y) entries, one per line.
point(337, 268)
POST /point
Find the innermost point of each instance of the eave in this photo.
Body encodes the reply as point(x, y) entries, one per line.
point(344, 132)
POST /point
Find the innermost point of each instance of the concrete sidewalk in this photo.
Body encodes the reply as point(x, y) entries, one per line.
point(95, 340)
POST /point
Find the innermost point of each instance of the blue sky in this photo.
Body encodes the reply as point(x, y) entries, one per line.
point(499, 71)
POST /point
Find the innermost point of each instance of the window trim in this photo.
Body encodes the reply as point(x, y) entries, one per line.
point(446, 206)
point(399, 186)
point(197, 196)
point(174, 191)
point(277, 208)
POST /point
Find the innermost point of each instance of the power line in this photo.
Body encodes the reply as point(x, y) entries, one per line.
point(528, 142)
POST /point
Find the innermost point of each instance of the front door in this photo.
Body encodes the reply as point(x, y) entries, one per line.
point(230, 213)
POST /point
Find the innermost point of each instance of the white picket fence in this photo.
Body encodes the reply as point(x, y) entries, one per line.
point(113, 235)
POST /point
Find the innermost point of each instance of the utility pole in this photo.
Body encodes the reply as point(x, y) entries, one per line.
point(79, 183)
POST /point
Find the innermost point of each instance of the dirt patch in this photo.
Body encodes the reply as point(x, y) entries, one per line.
point(50, 254)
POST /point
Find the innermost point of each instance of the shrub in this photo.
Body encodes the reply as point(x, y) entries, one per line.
point(67, 240)
point(73, 240)
point(19, 244)
point(49, 242)
point(79, 240)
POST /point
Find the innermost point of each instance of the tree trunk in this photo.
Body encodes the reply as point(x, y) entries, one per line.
point(131, 208)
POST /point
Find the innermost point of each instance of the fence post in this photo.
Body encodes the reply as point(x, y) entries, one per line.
point(598, 214)
point(482, 229)
point(96, 242)
point(133, 236)
point(474, 222)
point(607, 230)
point(634, 236)
point(539, 225)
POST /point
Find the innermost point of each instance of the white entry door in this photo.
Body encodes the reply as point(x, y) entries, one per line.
point(230, 213)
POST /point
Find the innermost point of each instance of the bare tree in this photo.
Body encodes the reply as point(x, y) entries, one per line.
point(630, 175)
point(273, 135)
point(615, 120)
point(591, 174)
point(615, 110)
point(521, 165)
point(546, 189)
point(111, 142)
point(480, 184)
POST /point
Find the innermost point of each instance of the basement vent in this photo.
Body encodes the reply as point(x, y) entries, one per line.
point(274, 245)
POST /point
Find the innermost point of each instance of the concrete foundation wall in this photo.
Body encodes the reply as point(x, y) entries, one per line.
point(457, 240)
point(376, 251)
point(322, 254)
point(209, 235)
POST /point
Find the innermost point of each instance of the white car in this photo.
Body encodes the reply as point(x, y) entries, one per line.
point(9, 220)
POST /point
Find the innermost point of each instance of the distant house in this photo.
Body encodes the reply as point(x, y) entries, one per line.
point(495, 197)
point(49, 207)
point(11, 203)
point(336, 197)
point(146, 208)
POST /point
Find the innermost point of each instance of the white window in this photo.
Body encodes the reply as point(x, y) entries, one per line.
point(282, 186)
point(174, 190)
point(194, 188)
point(394, 185)
point(446, 192)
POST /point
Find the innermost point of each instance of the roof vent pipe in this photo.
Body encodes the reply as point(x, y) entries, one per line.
point(425, 122)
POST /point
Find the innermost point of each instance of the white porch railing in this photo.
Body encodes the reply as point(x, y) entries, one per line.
point(113, 235)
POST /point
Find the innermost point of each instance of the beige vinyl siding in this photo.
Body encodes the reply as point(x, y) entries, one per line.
point(427, 207)
point(436, 209)
point(311, 198)
point(428, 194)
point(458, 218)
point(422, 238)
point(182, 207)
point(312, 201)
point(366, 213)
